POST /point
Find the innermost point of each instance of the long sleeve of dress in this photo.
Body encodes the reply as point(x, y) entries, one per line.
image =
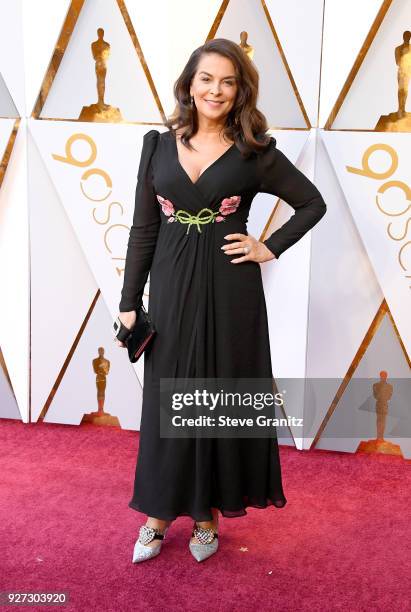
point(280, 177)
point(143, 232)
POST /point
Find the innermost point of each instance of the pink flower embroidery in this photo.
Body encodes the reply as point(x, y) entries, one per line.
point(167, 207)
point(228, 206)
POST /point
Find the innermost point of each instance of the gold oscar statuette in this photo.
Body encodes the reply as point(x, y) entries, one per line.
point(400, 121)
point(101, 368)
point(248, 49)
point(100, 112)
point(382, 392)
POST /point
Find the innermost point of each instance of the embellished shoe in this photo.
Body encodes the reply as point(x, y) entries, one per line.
point(147, 535)
point(208, 539)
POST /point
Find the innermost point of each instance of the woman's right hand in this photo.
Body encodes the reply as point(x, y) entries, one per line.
point(129, 320)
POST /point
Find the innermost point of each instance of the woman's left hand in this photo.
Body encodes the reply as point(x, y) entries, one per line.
point(257, 251)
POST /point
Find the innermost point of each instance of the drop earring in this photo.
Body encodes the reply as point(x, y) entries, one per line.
point(192, 101)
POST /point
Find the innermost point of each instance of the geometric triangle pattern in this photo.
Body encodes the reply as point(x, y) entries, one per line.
point(373, 172)
point(109, 80)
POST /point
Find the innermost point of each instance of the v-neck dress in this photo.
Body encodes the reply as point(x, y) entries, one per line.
point(210, 316)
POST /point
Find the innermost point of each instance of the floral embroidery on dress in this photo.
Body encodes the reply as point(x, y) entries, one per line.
point(205, 215)
point(228, 206)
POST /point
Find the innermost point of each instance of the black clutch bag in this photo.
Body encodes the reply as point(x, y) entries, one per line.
point(139, 337)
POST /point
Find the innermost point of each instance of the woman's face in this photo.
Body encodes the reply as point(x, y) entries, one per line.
point(214, 87)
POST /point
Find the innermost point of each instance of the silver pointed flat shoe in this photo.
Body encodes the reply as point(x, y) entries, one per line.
point(142, 552)
point(208, 539)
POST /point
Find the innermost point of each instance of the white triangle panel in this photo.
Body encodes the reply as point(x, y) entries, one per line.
point(77, 392)
point(165, 39)
point(340, 51)
point(373, 170)
point(299, 28)
point(126, 85)
point(276, 98)
point(344, 292)
point(354, 418)
point(370, 97)
point(62, 284)
point(14, 267)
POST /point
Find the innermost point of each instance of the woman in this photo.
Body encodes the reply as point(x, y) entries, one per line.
point(206, 293)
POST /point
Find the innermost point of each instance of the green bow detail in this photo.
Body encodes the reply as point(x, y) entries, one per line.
point(206, 215)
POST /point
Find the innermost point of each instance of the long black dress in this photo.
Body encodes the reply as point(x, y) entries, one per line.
point(210, 317)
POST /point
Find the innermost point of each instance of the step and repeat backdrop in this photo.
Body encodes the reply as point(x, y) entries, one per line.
point(81, 82)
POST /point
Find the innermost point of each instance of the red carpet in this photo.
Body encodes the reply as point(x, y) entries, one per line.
point(341, 543)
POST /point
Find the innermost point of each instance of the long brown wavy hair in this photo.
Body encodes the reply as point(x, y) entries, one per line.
point(245, 124)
